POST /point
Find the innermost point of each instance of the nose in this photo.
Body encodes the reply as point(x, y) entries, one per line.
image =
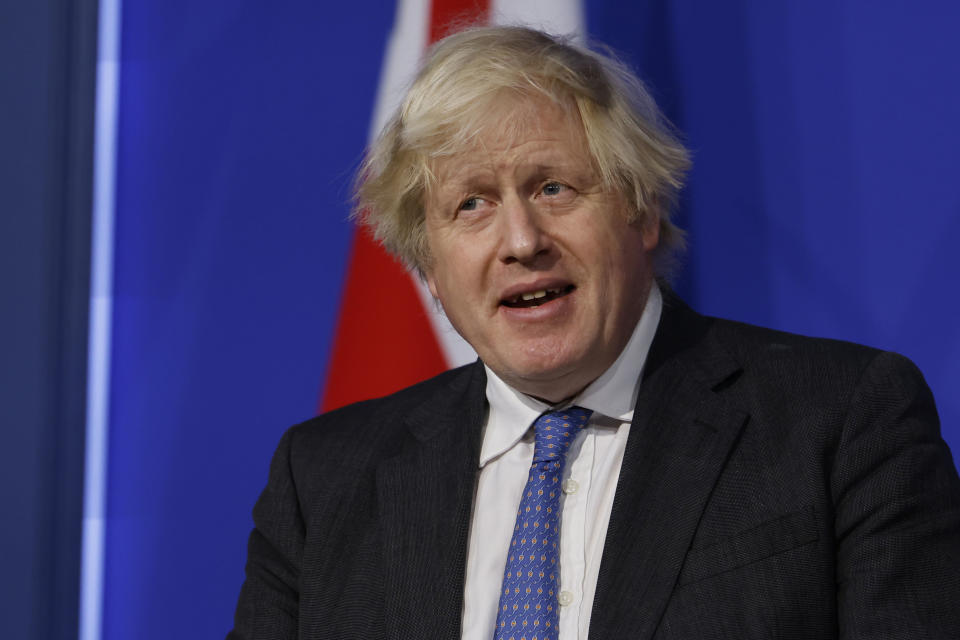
point(523, 237)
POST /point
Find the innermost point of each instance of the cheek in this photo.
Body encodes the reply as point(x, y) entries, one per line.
point(460, 272)
point(455, 286)
point(624, 265)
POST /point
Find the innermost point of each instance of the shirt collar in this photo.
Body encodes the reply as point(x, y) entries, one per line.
point(613, 394)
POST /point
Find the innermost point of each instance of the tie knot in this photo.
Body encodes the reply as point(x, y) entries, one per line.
point(555, 430)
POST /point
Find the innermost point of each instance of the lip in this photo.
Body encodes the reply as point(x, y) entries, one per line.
point(537, 285)
point(553, 311)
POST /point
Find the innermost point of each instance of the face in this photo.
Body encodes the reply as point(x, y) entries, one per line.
point(533, 259)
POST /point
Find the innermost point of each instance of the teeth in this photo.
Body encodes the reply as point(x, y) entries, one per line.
point(534, 295)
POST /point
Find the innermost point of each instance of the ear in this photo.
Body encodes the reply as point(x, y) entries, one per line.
point(651, 234)
point(431, 283)
point(651, 225)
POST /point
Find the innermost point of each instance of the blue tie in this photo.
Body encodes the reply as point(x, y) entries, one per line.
point(528, 598)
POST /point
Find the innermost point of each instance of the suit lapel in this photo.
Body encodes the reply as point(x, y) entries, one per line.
point(425, 496)
point(680, 439)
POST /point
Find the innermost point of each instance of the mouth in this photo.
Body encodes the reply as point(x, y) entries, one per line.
point(536, 298)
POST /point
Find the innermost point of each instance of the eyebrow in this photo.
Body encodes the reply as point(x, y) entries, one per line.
point(465, 177)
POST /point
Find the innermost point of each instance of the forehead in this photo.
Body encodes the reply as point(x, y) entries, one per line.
point(517, 133)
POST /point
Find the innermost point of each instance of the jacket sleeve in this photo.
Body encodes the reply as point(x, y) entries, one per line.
point(268, 608)
point(897, 511)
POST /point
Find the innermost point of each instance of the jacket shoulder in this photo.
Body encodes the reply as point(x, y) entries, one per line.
point(825, 381)
point(360, 433)
point(779, 351)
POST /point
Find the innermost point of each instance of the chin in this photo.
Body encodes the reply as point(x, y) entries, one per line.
point(547, 380)
point(543, 368)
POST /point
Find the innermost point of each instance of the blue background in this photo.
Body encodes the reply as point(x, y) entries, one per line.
point(824, 200)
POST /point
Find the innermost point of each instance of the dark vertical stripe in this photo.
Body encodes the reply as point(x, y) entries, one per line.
point(47, 61)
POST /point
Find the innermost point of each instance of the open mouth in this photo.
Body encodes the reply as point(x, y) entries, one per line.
point(536, 298)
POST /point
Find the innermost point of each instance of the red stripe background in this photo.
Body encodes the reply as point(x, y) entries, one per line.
point(384, 340)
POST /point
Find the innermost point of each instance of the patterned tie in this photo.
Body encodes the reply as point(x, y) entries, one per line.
point(528, 599)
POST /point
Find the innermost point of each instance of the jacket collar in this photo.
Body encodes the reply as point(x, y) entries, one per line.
point(425, 498)
point(681, 435)
point(680, 439)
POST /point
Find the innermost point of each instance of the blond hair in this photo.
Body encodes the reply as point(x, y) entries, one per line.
point(634, 148)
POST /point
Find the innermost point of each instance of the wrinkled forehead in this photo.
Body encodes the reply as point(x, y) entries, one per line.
point(502, 125)
point(502, 115)
point(508, 122)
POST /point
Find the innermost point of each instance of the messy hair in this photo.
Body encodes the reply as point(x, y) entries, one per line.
point(634, 148)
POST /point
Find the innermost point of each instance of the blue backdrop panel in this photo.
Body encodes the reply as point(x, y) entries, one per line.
point(240, 126)
point(823, 201)
point(823, 198)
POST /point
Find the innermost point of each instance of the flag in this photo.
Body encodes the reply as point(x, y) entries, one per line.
point(390, 333)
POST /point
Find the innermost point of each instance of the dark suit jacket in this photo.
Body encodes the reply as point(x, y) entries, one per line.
point(773, 486)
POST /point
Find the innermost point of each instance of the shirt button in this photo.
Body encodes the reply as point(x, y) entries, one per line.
point(565, 598)
point(570, 485)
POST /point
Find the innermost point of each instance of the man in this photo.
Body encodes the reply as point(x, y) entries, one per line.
point(615, 465)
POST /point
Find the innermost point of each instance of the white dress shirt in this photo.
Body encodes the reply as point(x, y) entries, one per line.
point(590, 482)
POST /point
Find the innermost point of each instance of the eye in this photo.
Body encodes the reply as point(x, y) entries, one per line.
point(554, 188)
point(470, 204)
